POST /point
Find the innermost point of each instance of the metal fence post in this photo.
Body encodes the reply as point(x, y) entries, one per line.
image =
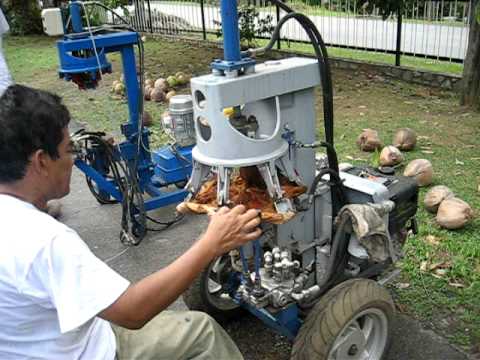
point(202, 10)
point(278, 20)
point(398, 50)
point(150, 16)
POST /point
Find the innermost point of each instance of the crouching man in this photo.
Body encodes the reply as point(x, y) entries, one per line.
point(59, 301)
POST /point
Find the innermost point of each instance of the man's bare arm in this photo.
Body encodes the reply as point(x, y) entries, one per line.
point(143, 300)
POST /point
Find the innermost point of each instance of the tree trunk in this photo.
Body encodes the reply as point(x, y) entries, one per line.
point(471, 69)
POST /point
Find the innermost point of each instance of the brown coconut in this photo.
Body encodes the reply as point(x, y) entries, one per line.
point(150, 82)
point(146, 92)
point(170, 94)
point(157, 95)
point(421, 170)
point(161, 84)
point(435, 196)
point(405, 139)
point(368, 140)
point(454, 213)
point(147, 119)
point(390, 156)
point(119, 89)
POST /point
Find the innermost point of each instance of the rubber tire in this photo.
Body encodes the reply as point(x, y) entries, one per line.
point(333, 311)
point(195, 297)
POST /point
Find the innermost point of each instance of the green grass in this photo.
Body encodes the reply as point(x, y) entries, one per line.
point(361, 101)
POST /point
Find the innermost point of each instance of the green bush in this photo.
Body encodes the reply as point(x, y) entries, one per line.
point(251, 24)
point(23, 16)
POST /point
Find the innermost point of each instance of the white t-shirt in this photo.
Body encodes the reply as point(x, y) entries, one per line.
point(51, 289)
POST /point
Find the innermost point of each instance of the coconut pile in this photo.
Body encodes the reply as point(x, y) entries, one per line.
point(159, 90)
point(451, 212)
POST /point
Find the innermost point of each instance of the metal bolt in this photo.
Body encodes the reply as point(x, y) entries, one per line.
point(353, 350)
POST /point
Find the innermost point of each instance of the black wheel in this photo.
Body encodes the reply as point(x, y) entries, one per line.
point(351, 322)
point(101, 196)
point(209, 292)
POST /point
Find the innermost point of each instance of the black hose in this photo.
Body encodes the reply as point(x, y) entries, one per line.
point(336, 265)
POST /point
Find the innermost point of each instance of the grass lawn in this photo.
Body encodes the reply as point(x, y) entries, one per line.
point(449, 136)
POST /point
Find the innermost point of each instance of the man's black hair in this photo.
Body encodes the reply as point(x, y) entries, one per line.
point(30, 120)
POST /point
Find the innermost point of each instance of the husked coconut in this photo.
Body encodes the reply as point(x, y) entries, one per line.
point(149, 82)
point(147, 92)
point(119, 89)
point(435, 196)
point(170, 94)
point(405, 139)
point(147, 119)
point(421, 170)
point(368, 140)
point(161, 84)
point(454, 213)
point(157, 95)
point(115, 83)
point(390, 156)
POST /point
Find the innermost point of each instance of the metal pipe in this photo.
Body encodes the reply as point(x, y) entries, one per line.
point(75, 13)
point(231, 34)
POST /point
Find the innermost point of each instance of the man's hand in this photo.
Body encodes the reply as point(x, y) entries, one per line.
point(231, 228)
point(228, 229)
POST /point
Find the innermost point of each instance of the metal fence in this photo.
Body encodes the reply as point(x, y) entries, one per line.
point(429, 29)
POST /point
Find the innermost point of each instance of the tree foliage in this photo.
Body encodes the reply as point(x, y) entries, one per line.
point(23, 16)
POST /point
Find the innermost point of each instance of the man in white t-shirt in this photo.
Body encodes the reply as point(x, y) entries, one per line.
point(57, 299)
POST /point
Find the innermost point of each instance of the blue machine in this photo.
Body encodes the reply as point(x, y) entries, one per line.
point(83, 59)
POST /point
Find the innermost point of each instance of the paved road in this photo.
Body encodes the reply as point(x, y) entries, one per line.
point(99, 226)
point(419, 38)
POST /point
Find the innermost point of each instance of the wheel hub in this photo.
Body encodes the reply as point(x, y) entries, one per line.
point(363, 338)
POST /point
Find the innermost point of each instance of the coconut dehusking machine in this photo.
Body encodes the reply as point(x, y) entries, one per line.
point(316, 278)
point(121, 172)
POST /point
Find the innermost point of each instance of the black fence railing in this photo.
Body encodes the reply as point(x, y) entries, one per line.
point(428, 29)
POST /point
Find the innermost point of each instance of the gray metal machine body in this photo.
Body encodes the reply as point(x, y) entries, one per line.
point(259, 119)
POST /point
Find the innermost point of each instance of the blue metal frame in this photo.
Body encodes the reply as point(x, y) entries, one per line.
point(82, 57)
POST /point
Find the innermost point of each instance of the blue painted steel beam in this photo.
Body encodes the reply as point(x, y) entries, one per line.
point(285, 322)
point(231, 40)
point(76, 15)
point(231, 34)
point(111, 42)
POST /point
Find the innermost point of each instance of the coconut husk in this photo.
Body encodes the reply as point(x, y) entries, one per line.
point(390, 156)
point(241, 192)
point(454, 213)
point(405, 139)
point(421, 170)
point(369, 140)
point(157, 95)
point(435, 196)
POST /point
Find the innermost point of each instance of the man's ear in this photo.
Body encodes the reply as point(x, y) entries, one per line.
point(39, 161)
